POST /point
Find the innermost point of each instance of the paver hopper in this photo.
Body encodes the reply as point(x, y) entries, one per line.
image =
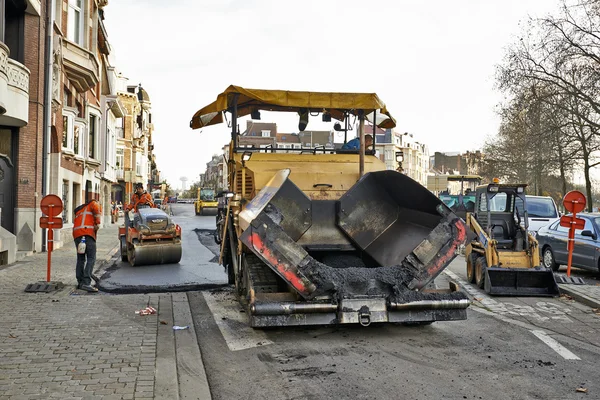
point(314, 235)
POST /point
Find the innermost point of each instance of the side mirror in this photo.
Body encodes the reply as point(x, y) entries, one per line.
point(589, 233)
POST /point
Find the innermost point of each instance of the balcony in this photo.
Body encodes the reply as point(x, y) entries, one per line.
point(14, 90)
point(81, 66)
point(119, 174)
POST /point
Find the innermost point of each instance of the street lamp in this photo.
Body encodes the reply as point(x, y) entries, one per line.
point(399, 159)
point(246, 157)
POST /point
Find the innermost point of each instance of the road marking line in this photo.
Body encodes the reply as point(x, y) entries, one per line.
point(554, 345)
point(232, 323)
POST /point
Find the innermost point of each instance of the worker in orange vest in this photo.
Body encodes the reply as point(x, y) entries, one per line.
point(86, 224)
point(139, 197)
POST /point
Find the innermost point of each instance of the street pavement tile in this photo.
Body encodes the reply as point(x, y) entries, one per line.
point(58, 345)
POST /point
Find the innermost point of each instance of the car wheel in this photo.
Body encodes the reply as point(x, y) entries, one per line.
point(480, 267)
point(548, 259)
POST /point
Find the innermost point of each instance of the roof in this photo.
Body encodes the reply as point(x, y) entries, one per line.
point(142, 94)
point(288, 138)
point(249, 100)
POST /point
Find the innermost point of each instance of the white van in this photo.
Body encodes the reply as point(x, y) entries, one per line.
point(541, 211)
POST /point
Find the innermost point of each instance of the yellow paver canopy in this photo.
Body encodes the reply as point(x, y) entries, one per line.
point(249, 100)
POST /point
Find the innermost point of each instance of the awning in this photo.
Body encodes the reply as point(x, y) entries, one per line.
point(285, 100)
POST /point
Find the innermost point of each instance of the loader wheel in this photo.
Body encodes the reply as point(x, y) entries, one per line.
point(480, 267)
point(471, 261)
point(548, 259)
point(123, 248)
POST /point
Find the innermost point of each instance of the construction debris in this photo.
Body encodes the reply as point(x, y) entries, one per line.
point(146, 311)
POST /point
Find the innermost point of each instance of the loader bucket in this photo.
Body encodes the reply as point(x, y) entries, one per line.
point(520, 282)
point(393, 220)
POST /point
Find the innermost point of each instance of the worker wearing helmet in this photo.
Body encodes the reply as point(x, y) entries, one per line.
point(139, 197)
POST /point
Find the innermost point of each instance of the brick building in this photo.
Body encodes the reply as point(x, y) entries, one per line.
point(22, 55)
point(82, 108)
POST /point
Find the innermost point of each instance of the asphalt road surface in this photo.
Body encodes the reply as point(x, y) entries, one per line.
point(198, 268)
point(509, 348)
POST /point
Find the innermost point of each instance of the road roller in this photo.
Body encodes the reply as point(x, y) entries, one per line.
point(149, 236)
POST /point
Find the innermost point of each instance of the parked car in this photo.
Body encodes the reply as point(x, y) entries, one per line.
point(541, 211)
point(586, 253)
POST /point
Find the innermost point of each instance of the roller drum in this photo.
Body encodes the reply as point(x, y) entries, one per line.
point(155, 254)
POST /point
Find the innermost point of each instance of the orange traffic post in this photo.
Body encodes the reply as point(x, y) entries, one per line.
point(51, 206)
point(574, 202)
point(50, 247)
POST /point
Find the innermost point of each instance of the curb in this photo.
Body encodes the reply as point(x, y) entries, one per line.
point(103, 263)
point(580, 297)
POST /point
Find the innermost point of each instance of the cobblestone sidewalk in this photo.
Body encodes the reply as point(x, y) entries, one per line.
point(71, 345)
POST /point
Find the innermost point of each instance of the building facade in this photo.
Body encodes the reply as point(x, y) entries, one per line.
point(134, 135)
point(62, 136)
point(22, 82)
point(415, 155)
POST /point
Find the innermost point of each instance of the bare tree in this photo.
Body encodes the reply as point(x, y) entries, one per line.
point(561, 56)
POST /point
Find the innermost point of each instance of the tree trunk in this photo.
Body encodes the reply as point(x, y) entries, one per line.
point(561, 164)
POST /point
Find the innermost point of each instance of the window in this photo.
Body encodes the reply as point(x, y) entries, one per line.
point(92, 136)
point(77, 139)
point(65, 199)
point(75, 22)
point(499, 203)
point(138, 164)
point(120, 159)
point(68, 131)
point(65, 138)
point(266, 133)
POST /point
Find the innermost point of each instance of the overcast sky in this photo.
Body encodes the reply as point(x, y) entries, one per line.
point(432, 62)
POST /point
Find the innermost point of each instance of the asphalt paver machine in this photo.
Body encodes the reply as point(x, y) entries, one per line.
point(319, 236)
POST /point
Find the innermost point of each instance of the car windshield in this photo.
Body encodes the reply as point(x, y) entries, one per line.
point(207, 195)
point(540, 207)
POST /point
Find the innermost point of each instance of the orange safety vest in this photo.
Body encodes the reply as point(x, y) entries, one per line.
point(85, 218)
point(145, 198)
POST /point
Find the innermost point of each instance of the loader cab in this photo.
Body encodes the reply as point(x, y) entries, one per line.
point(497, 214)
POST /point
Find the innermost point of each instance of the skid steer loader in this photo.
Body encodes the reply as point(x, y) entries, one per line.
point(504, 258)
point(319, 236)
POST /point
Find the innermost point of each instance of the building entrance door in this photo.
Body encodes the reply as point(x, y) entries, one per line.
point(7, 178)
point(7, 193)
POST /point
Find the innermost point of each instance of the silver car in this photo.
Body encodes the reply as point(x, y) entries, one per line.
point(553, 240)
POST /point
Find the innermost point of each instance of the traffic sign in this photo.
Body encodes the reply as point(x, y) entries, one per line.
point(51, 222)
point(574, 201)
point(51, 205)
point(568, 220)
